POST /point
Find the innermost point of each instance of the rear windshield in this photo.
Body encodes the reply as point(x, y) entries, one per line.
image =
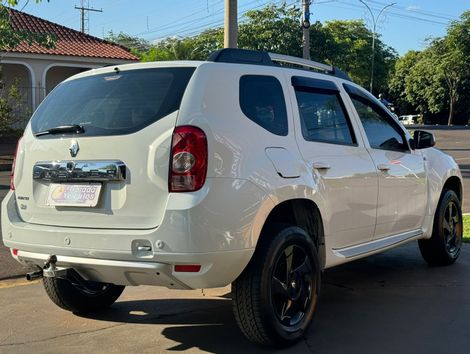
point(113, 103)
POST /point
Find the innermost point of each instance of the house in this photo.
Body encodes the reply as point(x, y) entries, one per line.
point(37, 70)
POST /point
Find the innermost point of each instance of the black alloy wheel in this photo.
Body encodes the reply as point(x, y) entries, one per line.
point(445, 244)
point(292, 283)
point(275, 298)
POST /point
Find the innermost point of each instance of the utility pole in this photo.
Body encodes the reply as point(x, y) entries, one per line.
point(84, 15)
point(374, 32)
point(231, 24)
point(306, 29)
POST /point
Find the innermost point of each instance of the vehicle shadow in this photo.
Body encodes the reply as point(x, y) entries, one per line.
point(383, 303)
point(206, 324)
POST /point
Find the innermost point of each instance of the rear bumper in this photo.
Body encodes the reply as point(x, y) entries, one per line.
point(215, 269)
point(220, 237)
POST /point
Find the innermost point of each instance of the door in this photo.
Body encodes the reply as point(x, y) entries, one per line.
point(342, 167)
point(402, 180)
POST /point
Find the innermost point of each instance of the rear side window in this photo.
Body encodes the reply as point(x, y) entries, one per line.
point(323, 117)
point(262, 100)
point(114, 103)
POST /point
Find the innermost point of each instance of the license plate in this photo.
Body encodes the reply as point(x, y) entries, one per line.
point(76, 195)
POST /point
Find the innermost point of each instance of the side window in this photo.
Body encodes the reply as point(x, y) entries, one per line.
point(262, 100)
point(380, 129)
point(323, 118)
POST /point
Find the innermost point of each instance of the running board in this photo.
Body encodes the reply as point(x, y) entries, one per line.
point(376, 245)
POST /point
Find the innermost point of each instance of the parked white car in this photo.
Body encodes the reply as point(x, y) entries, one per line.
point(237, 170)
point(409, 119)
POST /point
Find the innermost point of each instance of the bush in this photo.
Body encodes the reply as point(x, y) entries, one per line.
point(10, 103)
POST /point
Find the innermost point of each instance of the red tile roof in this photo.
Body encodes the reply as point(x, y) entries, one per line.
point(69, 42)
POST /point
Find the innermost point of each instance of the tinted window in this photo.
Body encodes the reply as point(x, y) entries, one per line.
point(262, 100)
point(380, 129)
point(322, 117)
point(114, 103)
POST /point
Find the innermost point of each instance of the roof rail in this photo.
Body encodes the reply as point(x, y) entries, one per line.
point(245, 56)
point(329, 69)
point(281, 58)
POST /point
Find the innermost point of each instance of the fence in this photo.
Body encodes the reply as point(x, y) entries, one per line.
point(23, 106)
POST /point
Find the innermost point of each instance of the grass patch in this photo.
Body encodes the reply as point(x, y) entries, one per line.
point(466, 228)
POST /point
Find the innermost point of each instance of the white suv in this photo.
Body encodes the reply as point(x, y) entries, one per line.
point(247, 169)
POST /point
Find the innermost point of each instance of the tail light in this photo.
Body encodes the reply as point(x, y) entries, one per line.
point(188, 162)
point(12, 173)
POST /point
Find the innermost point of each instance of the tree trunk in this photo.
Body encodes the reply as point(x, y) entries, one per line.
point(451, 110)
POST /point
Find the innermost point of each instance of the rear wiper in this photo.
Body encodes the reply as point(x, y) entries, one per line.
point(75, 128)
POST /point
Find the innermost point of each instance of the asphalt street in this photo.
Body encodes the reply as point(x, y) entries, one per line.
point(388, 303)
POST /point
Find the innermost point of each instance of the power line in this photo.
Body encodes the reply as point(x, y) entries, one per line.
point(217, 24)
point(401, 13)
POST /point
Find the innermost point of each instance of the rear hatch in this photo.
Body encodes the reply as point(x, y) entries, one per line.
point(96, 152)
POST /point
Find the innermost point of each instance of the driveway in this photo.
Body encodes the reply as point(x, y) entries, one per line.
point(388, 303)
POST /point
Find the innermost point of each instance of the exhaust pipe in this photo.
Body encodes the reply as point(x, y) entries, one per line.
point(34, 275)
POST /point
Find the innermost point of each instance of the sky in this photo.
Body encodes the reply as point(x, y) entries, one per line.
point(404, 26)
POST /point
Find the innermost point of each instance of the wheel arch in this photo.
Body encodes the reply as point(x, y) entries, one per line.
point(455, 184)
point(303, 213)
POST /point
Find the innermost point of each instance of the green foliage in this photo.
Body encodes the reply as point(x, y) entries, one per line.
point(10, 98)
point(10, 38)
point(10, 103)
point(274, 29)
point(346, 44)
point(350, 50)
point(437, 80)
point(466, 228)
point(135, 44)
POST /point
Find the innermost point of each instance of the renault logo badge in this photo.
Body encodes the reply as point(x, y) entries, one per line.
point(74, 148)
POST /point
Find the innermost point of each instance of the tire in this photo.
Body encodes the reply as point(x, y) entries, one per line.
point(262, 293)
point(79, 299)
point(443, 248)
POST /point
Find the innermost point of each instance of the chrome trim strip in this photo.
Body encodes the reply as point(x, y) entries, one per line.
point(376, 245)
point(80, 171)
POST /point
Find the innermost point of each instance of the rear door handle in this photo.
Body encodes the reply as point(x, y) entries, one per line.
point(321, 166)
point(383, 167)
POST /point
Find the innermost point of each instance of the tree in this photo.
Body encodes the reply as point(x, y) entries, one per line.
point(137, 46)
point(273, 29)
point(437, 80)
point(349, 49)
point(345, 44)
point(396, 84)
point(10, 38)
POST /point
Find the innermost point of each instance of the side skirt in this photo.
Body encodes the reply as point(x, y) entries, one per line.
point(376, 245)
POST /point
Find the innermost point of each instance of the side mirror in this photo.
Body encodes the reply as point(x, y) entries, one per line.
point(423, 140)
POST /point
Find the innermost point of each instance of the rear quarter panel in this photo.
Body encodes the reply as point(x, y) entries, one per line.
point(237, 145)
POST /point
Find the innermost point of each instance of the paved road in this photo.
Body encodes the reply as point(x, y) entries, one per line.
point(457, 144)
point(389, 303)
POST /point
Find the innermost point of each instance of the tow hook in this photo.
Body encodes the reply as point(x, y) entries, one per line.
point(49, 270)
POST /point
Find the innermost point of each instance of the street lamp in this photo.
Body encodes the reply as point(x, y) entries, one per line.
point(374, 31)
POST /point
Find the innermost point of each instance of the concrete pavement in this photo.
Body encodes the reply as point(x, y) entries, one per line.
point(389, 303)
